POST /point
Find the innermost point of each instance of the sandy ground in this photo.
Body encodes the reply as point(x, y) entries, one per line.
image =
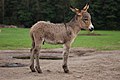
point(84, 64)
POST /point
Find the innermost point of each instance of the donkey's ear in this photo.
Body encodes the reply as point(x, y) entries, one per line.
point(86, 7)
point(77, 11)
point(72, 8)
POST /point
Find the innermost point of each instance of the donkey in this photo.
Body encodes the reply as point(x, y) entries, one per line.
point(58, 34)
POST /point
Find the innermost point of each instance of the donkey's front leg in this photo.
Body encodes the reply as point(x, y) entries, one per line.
point(65, 57)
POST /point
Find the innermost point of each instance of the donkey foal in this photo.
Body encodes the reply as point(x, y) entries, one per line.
point(57, 34)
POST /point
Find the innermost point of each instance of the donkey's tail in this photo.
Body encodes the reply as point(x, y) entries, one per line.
point(33, 42)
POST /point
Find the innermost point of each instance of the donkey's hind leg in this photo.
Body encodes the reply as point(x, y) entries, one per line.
point(32, 58)
point(36, 51)
point(37, 67)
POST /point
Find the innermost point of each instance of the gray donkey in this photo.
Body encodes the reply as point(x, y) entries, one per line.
point(58, 34)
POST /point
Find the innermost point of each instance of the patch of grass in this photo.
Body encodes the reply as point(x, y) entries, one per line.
point(108, 40)
point(18, 38)
point(14, 38)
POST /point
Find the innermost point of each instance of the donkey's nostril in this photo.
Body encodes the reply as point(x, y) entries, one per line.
point(91, 29)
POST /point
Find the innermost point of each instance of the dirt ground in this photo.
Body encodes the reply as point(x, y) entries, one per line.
point(84, 64)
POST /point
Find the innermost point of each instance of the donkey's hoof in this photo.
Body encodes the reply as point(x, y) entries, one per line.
point(66, 71)
point(38, 69)
point(32, 69)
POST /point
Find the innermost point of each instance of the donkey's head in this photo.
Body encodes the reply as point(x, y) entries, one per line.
point(83, 17)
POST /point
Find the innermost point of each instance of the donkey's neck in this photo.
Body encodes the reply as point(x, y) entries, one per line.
point(74, 24)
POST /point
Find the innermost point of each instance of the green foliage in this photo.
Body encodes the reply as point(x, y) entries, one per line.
point(105, 13)
point(25, 18)
point(18, 38)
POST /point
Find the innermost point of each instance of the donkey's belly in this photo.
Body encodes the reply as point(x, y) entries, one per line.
point(54, 41)
point(54, 38)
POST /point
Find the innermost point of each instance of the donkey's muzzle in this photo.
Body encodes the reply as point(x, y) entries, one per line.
point(91, 29)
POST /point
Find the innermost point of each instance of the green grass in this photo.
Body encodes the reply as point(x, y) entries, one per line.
point(14, 38)
point(109, 40)
point(18, 38)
